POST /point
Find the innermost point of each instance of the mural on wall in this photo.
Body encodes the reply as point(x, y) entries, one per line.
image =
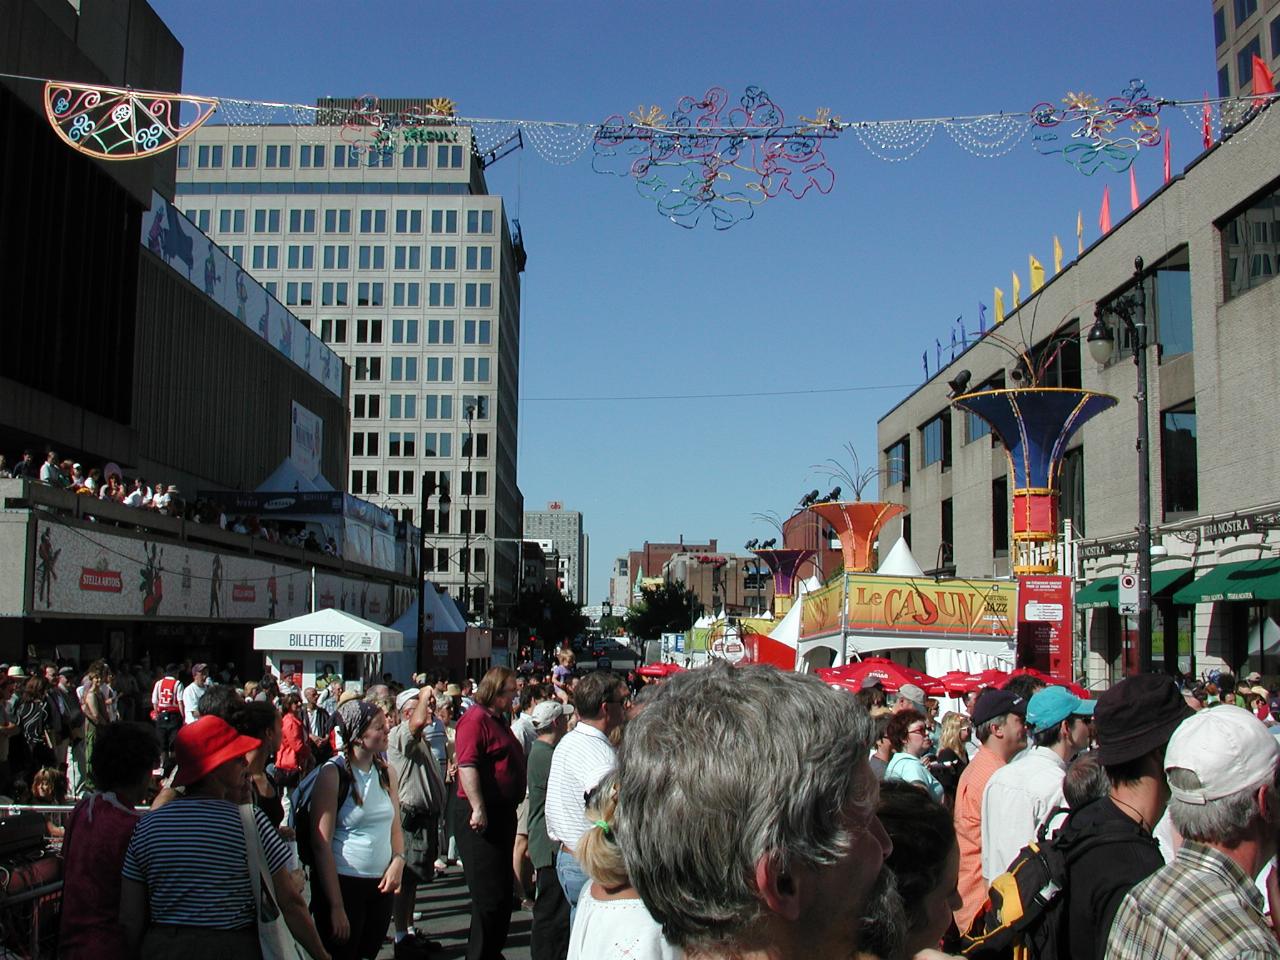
point(180, 244)
point(93, 573)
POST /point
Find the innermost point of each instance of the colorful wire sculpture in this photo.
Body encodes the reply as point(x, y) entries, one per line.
point(1101, 137)
point(113, 123)
point(716, 159)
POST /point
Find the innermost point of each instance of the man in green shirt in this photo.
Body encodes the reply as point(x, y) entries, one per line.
point(549, 939)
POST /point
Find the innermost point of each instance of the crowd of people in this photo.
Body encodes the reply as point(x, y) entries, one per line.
point(163, 498)
point(725, 812)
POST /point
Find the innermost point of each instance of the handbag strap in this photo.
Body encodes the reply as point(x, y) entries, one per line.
point(259, 871)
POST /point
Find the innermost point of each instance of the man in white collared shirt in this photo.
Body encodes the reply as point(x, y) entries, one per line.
point(582, 758)
point(1020, 796)
point(192, 693)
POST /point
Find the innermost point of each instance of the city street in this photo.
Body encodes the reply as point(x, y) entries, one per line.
point(446, 916)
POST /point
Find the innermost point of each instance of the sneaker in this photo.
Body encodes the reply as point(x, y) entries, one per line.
point(415, 946)
point(441, 865)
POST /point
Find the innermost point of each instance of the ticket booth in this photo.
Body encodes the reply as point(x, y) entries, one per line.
point(317, 646)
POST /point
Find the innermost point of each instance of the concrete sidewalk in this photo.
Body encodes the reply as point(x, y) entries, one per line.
point(446, 916)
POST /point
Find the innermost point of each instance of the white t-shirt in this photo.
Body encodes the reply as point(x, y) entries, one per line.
point(617, 930)
point(191, 695)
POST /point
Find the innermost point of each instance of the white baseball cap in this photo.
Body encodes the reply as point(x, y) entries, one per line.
point(546, 712)
point(1228, 748)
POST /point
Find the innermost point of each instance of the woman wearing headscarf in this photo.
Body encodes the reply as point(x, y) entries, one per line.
point(187, 890)
point(357, 840)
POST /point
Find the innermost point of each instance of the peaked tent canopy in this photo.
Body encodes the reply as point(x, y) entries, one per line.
point(327, 631)
point(899, 562)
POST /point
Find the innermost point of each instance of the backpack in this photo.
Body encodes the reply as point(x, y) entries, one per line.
point(303, 815)
point(1025, 914)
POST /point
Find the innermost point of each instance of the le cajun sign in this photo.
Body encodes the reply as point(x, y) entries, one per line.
point(913, 605)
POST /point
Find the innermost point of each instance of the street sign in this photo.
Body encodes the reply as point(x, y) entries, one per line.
point(1128, 598)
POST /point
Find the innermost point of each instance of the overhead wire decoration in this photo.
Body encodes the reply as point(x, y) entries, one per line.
point(713, 159)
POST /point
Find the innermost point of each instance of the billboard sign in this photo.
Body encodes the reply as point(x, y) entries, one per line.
point(1045, 620)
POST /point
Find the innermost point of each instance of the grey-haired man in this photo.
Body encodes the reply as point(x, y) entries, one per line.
point(748, 844)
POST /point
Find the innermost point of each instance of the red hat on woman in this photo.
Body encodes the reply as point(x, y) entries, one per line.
point(205, 745)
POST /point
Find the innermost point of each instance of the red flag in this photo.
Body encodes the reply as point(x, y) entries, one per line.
point(1168, 170)
point(1263, 81)
point(1208, 123)
point(1104, 215)
point(1133, 190)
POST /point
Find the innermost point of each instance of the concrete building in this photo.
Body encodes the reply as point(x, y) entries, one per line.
point(563, 528)
point(620, 583)
point(1210, 241)
point(1241, 29)
point(734, 585)
point(112, 354)
point(401, 260)
point(648, 561)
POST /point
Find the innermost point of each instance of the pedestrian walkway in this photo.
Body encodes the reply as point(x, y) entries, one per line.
point(445, 909)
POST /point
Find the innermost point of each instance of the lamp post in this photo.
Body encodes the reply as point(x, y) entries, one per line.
point(1132, 311)
point(466, 527)
point(427, 489)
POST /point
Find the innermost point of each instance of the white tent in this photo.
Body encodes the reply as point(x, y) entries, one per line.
point(325, 632)
point(899, 562)
point(287, 476)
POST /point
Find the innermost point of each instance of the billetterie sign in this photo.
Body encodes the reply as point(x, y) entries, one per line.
point(316, 641)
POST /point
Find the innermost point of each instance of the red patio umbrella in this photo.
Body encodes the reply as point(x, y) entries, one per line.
point(659, 670)
point(1075, 688)
point(891, 675)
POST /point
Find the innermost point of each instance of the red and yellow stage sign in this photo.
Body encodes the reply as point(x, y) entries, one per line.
point(986, 608)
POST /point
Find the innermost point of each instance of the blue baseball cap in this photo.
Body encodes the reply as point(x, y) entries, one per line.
point(1050, 706)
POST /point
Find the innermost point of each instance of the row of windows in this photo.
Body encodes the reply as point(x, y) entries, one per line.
point(438, 370)
point(312, 156)
point(403, 329)
point(304, 220)
point(366, 443)
point(437, 561)
point(435, 406)
point(302, 256)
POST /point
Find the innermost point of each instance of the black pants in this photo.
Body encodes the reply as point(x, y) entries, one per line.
point(168, 723)
point(368, 913)
point(486, 864)
point(549, 939)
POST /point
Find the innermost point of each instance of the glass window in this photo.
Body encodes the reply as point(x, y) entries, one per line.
point(373, 221)
point(1244, 58)
point(475, 445)
point(1251, 244)
point(302, 221)
point(404, 368)
point(415, 156)
point(407, 258)
point(216, 156)
point(404, 330)
point(184, 157)
point(1000, 516)
point(1220, 26)
point(1275, 38)
point(947, 532)
point(302, 256)
point(935, 441)
point(1179, 475)
point(444, 221)
point(897, 463)
point(337, 221)
point(1224, 81)
point(444, 258)
point(1172, 306)
point(440, 369)
point(1244, 9)
point(439, 331)
point(337, 257)
point(441, 294)
point(448, 157)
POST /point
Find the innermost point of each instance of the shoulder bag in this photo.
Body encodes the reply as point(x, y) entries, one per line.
point(273, 933)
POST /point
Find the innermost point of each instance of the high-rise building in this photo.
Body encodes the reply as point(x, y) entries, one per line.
point(564, 529)
point(1241, 30)
point(402, 261)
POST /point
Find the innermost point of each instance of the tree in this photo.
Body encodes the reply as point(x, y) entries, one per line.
point(668, 608)
point(549, 614)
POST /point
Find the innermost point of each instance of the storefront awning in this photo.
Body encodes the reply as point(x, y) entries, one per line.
point(1105, 592)
point(1250, 580)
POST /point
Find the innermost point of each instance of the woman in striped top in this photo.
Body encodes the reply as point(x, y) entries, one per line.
point(186, 890)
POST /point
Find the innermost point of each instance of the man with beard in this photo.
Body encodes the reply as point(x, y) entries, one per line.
point(746, 843)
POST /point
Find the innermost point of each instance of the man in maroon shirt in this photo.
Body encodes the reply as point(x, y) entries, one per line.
point(491, 784)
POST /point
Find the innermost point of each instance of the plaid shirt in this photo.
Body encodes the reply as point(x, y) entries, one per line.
point(1201, 906)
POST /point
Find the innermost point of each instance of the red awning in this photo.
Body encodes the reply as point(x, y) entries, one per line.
point(892, 676)
point(1075, 688)
point(661, 670)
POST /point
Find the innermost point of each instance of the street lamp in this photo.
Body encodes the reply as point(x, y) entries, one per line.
point(427, 489)
point(1132, 311)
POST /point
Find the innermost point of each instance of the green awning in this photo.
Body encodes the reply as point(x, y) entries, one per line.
point(1250, 580)
point(1105, 592)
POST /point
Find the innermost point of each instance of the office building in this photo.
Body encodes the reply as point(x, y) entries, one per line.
point(1210, 242)
point(401, 260)
point(563, 528)
point(1241, 30)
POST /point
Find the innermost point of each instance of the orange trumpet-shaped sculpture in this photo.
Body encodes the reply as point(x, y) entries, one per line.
point(857, 523)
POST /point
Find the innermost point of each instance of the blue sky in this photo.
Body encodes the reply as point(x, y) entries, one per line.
point(838, 291)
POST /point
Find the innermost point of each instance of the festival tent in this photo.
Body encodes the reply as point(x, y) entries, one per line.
point(288, 477)
point(891, 674)
point(324, 637)
point(899, 562)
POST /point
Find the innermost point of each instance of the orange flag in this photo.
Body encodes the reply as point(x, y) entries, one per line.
point(1104, 215)
point(1207, 123)
point(1133, 190)
point(1168, 170)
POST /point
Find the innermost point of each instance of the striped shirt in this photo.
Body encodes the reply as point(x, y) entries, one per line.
point(583, 757)
point(191, 855)
point(1201, 906)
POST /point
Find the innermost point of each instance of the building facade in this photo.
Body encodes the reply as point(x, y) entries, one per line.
point(647, 562)
point(563, 528)
point(401, 261)
point(723, 582)
point(1241, 30)
point(1210, 242)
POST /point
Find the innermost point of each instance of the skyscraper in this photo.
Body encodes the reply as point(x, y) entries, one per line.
point(564, 529)
point(395, 253)
point(1241, 30)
